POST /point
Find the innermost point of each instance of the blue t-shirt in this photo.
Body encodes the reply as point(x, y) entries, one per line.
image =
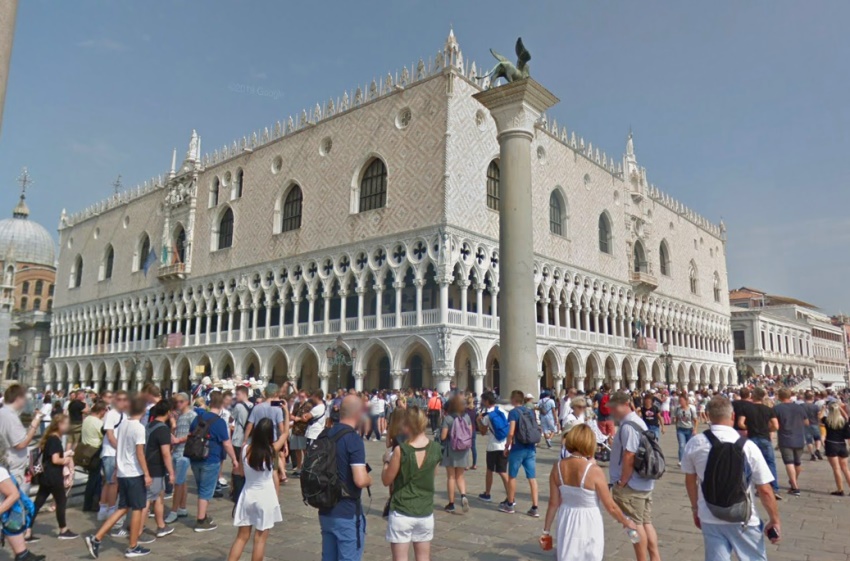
point(513, 417)
point(350, 451)
point(218, 435)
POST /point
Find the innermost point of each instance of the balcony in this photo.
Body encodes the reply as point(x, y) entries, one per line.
point(174, 271)
point(642, 278)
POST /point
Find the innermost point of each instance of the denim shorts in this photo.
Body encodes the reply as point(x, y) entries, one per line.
point(525, 457)
point(812, 434)
point(206, 476)
point(181, 470)
point(108, 465)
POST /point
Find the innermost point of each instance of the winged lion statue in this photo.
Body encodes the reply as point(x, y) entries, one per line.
point(506, 69)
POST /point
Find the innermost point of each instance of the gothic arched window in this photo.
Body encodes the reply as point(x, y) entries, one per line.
point(693, 278)
point(108, 262)
point(557, 214)
point(604, 233)
point(664, 258)
point(225, 230)
point(493, 187)
point(373, 186)
point(291, 216)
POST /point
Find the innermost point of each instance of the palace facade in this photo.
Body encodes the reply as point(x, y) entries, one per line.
point(356, 245)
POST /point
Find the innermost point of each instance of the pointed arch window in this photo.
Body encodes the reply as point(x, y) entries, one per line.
point(664, 258)
point(640, 263)
point(225, 230)
point(214, 189)
point(143, 250)
point(180, 245)
point(77, 272)
point(373, 186)
point(238, 182)
point(291, 216)
point(108, 263)
point(693, 278)
point(557, 213)
point(605, 233)
point(493, 185)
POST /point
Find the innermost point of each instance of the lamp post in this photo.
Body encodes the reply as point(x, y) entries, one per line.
point(741, 371)
point(811, 376)
point(336, 357)
point(667, 360)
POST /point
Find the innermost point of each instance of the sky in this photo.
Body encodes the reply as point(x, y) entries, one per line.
point(739, 110)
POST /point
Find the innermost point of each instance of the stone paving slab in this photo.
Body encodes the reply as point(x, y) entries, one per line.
point(816, 526)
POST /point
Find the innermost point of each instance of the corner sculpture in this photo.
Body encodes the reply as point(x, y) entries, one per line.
point(506, 69)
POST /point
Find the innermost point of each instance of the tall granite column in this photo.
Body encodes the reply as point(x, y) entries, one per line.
point(516, 107)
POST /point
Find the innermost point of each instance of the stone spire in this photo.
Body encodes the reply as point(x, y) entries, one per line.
point(21, 209)
point(631, 160)
point(193, 154)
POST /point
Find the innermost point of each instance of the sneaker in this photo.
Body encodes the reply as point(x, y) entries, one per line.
point(837, 493)
point(813, 458)
point(30, 556)
point(464, 504)
point(171, 518)
point(102, 515)
point(94, 546)
point(507, 508)
point(548, 443)
point(777, 496)
point(450, 508)
point(147, 536)
point(164, 531)
point(68, 535)
point(32, 539)
point(120, 523)
point(137, 551)
point(205, 525)
point(151, 514)
point(818, 455)
point(794, 492)
point(218, 494)
point(182, 513)
point(485, 497)
point(296, 474)
point(120, 533)
point(222, 481)
point(533, 512)
point(168, 496)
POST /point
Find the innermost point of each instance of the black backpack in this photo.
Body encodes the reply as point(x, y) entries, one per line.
point(197, 447)
point(726, 482)
point(320, 483)
point(649, 458)
point(527, 430)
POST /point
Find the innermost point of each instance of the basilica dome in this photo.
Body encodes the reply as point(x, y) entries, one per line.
point(26, 241)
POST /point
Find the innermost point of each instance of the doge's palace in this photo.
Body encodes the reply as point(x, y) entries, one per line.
point(369, 224)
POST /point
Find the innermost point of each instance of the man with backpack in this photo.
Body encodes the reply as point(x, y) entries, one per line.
point(435, 411)
point(493, 422)
point(722, 470)
point(603, 416)
point(158, 459)
point(521, 451)
point(335, 473)
point(632, 491)
point(185, 417)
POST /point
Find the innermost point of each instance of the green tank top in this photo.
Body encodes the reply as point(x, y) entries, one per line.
point(413, 488)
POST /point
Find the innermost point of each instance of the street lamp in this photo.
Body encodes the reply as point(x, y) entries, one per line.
point(742, 369)
point(667, 360)
point(811, 376)
point(336, 357)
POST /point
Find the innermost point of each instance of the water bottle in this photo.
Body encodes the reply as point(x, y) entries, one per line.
point(633, 535)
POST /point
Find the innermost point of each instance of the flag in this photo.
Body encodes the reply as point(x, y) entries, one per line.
point(149, 261)
point(175, 257)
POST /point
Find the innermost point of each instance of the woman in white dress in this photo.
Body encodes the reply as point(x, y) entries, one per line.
point(576, 488)
point(258, 506)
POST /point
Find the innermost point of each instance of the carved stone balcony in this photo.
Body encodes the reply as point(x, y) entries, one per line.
point(174, 271)
point(643, 279)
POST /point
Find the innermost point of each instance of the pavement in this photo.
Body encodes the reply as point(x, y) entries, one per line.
point(813, 525)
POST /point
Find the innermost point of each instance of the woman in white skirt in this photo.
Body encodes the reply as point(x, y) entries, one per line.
point(258, 506)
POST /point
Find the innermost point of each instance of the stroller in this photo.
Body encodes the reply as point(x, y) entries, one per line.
point(603, 450)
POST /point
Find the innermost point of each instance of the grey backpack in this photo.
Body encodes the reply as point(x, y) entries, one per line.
point(649, 459)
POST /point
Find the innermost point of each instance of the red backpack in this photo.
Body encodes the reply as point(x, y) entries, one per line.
point(603, 405)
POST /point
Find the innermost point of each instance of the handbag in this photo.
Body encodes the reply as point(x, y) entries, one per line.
point(87, 457)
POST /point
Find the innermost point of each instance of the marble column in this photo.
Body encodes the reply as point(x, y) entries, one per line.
point(7, 25)
point(478, 382)
point(516, 107)
point(323, 381)
point(358, 380)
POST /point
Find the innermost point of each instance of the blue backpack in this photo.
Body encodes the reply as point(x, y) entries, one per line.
point(499, 424)
point(19, 517)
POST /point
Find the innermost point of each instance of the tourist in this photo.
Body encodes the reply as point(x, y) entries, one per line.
point(240, 412)
point(159, 462)
point(472, 413)
point(546, 406)
point(632, 493)
point(488, 424)
point(377, 409)
point(603, 415)
point(565, 407)
point(185, 416)
point(277, 411)
point(133, 478)
point(684, 416)
point(456, 450)
point(410, 470)
point(46, 411)
point(581, 415)
point(315, 418)
point(835, 445)
point(51, 482)
point(791, 437)
point(14, 438)
point(257, 506)
point(77, 408)
point(92, 445)
point(435, 411)
point(520, 453)
point(206, 471)
point(10, 494)
point(651, 415)
point(298, 438)
point(740, 406)
point(666, 407)
point(111, 421)
point(722, 538)
point(577, 486)
point(344, 526)
point(758, 421)
point(813, 436)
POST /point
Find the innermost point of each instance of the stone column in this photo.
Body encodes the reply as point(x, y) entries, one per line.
point(7, 25)
point(443, 379)
point(379, 305)
point(326, 318)
point(358, 380)
point(516, 107)
point(397, 376)
point(343, 298)
point(323, 381)
point(311, 311)
point(478, 382)
point(419, 283)
point(399, 286)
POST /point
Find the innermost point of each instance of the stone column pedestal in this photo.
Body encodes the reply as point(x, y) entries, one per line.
point(516, 108)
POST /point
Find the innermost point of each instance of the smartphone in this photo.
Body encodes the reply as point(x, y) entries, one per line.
point(773, 534)
point(275, 403)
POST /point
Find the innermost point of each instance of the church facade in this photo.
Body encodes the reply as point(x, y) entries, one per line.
point(356, 245)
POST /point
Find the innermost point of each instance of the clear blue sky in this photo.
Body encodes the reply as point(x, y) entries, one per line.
point(740, 110)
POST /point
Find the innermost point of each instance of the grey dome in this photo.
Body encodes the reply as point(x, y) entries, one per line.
point(28, 241)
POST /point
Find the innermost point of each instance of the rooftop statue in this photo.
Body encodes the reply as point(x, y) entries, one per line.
point(506, 69)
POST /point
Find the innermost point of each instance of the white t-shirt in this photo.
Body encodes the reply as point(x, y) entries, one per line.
point(377, 405)
point(696, 459)
point(226, 415)
point(493, 445)
point(111, 419)
point(317, 422)
point(46, 410)
point(566, 408)
point(130, 434)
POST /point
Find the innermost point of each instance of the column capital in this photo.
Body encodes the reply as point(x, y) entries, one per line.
point(517, 106)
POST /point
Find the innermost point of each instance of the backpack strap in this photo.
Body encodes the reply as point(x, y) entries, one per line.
point(713, 440)
point(635, 426)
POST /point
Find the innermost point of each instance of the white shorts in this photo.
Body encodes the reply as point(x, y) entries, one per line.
point(406, 529)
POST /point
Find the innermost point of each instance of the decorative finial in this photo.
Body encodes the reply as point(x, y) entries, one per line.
point(25, 181)
point(116, 185)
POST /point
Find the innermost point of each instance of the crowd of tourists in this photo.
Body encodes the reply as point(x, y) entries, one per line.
point(139, 449)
